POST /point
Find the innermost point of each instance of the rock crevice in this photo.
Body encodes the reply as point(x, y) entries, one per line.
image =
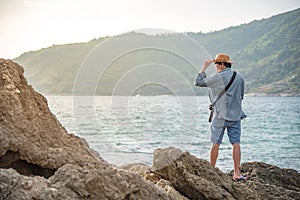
point(12, 160)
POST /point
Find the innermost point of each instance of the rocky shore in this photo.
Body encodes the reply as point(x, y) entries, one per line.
point(39, 159)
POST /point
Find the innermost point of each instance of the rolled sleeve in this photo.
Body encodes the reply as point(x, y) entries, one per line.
point(200, 80)
point(213, 81)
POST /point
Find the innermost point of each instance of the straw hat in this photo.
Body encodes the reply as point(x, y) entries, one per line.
point(222, 58)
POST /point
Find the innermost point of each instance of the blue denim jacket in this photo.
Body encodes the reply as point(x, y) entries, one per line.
point(229, 107)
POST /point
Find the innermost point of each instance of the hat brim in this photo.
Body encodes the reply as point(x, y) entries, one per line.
point(230, 61)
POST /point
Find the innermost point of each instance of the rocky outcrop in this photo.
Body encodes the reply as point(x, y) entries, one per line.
point(75, 182)
point(271, 182)
point(196, 179)
point(30, 135)
point(40, 160)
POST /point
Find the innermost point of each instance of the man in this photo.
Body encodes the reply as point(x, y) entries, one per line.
point(227, 112)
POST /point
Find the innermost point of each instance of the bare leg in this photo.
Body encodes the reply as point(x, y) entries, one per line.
point(236, 156)
point(214, 152)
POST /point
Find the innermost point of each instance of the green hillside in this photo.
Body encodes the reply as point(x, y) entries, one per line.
point(266, 52)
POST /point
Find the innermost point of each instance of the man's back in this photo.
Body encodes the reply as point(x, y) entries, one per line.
point(229, 107)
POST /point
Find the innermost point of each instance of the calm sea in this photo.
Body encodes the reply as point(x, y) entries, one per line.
point(128, 129)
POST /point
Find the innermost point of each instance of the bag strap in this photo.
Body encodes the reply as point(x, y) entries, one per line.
point(211, 106)
point(226, 88)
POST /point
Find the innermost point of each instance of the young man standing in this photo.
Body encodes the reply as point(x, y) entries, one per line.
point(227, 108)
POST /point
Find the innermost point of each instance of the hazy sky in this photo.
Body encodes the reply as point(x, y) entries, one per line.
point(34, 24)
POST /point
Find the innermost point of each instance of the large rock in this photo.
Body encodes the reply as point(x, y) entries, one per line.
point(195, 178)
point(40, 160)
point(145, 171)
point(75, 182)
point(272, 182)
point(30, 135)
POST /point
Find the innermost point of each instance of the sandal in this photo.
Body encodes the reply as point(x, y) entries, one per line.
point(242, 178)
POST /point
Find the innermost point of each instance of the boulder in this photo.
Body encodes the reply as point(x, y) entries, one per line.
point(75, 182)
point(195, 178)
point(272, 182)
point(39, 159)
point(30, 135)
point(16, 186)
point(145, 172)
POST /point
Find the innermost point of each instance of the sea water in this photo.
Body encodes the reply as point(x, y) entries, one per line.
point(128, 129)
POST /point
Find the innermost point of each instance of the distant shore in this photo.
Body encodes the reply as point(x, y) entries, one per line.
point(272, 95)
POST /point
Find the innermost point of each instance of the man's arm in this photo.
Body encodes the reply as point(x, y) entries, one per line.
point(205, 65)
point(201, 79)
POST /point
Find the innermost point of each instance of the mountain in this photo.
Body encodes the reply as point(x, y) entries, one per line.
point(265, 51)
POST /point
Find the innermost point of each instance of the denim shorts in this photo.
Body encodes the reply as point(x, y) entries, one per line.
point(218, 127)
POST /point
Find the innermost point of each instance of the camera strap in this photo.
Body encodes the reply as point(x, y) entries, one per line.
point(211, 106)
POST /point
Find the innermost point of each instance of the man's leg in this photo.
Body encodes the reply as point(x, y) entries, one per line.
point(236, 156)
point(217, 132)
point(234, 134)
point(214, 152)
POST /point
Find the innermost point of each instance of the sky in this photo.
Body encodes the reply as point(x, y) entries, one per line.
point(28, 25)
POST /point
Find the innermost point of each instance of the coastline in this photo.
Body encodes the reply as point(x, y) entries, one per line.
point(272, 95)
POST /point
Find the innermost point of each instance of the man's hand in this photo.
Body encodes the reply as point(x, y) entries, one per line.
point(205, 65)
